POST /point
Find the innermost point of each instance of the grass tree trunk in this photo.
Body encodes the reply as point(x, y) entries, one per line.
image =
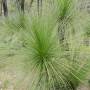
point(5, 8)
point(61, 33)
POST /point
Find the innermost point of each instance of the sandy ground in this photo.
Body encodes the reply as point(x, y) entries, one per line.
point(83, 88)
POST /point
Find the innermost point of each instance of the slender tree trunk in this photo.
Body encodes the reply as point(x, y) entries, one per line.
point(31, 3)
point(39, 7)
point(38, 4)
point(18, 4)
point(0, 7)
point(5, 8)
point(22, 5)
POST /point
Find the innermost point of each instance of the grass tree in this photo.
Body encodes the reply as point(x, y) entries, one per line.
point(65, 13)
point(35, 53)
point(30, 47)
point(69, 17)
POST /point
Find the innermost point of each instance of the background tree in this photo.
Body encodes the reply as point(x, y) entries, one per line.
point(5, 8)
point(39, 7)
point(20, 5)
point(0, 7)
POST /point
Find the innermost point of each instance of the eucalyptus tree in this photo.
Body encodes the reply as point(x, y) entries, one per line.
point(0, 7)
point(20, 5)
point(31, 2)
point(5, 8)
point(39, 6)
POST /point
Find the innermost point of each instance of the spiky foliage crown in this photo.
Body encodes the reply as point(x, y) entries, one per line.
point(32, 48)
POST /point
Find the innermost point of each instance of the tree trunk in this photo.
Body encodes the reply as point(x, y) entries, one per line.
point(5, 8)
point(31, 3)
point(22, 5)
point(39, 7)
point(18, 4)
point(0, 7)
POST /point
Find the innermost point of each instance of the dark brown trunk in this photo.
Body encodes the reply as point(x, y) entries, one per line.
point(22, 5)
point(5, 8)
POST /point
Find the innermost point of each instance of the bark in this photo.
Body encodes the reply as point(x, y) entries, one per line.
point(31, 3)
point(0, 7)
point(18, 4)
point(61, 34)
point(22, 5)
point(39, 7)
point(5, 8)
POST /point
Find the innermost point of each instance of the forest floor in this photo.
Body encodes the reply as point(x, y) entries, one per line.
point(84, 88)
